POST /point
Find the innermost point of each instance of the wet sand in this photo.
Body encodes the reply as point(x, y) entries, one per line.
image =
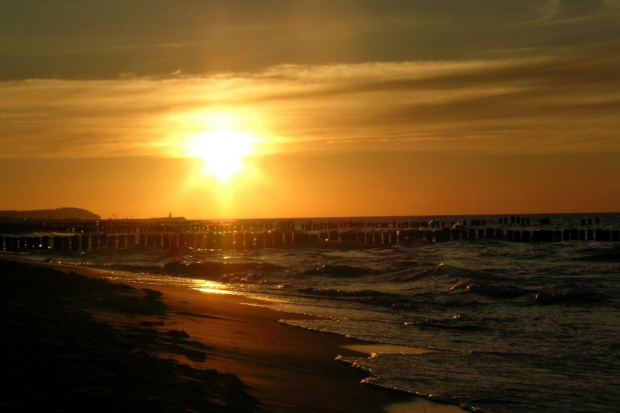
point(80, 343)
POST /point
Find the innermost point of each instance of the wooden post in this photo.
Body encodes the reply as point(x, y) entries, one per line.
point(75, 243)
point(15, 244)
point(94, 242)
point(218, 240)
point(248, 240)
point(288, 239)
point(239, 240)
point(574, 235)
point(189, 239)
point(229, 239)
point(526, 236)
point(368, 237)
point(277, 239)
point(360, 237)
point(199, 240)
point(301, 238)
point(471, 233)
point(84, 242)
point(269, 239)
point(209, 240)
point(260, 240)
point(499, 234)
point(429, 236)
point(66, 243)
point(377, 237)
point(605, 235)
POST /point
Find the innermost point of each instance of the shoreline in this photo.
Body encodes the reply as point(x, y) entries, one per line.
point(283, 368)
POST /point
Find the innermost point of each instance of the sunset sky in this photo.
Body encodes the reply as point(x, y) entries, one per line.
point(260, 109)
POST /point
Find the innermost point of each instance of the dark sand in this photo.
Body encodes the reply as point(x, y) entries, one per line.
point(77, 343)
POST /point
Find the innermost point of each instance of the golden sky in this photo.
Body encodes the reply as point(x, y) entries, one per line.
point(250, 109)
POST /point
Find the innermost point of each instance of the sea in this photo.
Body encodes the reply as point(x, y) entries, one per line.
point(488, 325)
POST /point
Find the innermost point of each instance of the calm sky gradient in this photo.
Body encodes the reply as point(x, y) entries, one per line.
point(354, 108)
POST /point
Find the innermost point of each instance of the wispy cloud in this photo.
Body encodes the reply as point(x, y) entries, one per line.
point(106, 40)
point(564, 103)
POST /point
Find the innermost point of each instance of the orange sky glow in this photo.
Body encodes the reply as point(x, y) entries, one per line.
point(226, 110)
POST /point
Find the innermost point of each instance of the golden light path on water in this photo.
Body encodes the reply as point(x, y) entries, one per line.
point(211, 287)
point(205, 286)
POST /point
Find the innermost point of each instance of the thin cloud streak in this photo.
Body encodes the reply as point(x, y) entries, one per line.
point(107, 40)
point(562, 104)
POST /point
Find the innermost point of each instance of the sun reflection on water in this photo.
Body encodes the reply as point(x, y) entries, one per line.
point(211, 287)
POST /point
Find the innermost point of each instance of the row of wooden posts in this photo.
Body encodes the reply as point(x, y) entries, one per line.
point(244, 240)
point(180, 226)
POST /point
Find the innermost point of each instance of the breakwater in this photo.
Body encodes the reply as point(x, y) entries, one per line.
point(83, 236)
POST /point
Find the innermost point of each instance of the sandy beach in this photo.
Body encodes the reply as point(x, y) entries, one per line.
point(75, 342)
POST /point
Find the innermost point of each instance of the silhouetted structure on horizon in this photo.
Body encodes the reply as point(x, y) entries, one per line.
point(170, 233)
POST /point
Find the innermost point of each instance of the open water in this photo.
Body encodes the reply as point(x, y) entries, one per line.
point(514, 327)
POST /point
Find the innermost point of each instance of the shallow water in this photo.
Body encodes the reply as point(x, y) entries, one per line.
point(516, 327)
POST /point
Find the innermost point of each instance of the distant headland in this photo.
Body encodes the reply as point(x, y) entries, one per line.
point(58, 214)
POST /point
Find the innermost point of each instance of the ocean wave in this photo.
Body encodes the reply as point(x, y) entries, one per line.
point(213, 270)
point(414, 243)
point(569, 297)
point(361, 296)
point(490, 381)
point(338, 271)
point(489, 289)
point(445, 271)
point(612, 255)
point(178, 252)
point(456, 322)
point(139, 269)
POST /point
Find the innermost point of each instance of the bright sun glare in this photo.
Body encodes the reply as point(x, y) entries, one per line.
point(222, 147)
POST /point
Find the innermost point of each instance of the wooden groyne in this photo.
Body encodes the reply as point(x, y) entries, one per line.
point(87, 236)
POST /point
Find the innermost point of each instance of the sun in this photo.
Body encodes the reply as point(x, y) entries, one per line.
point(223, 147)
point(222, 151)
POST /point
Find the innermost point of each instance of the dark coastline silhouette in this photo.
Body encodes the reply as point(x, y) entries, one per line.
point(63, 213)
